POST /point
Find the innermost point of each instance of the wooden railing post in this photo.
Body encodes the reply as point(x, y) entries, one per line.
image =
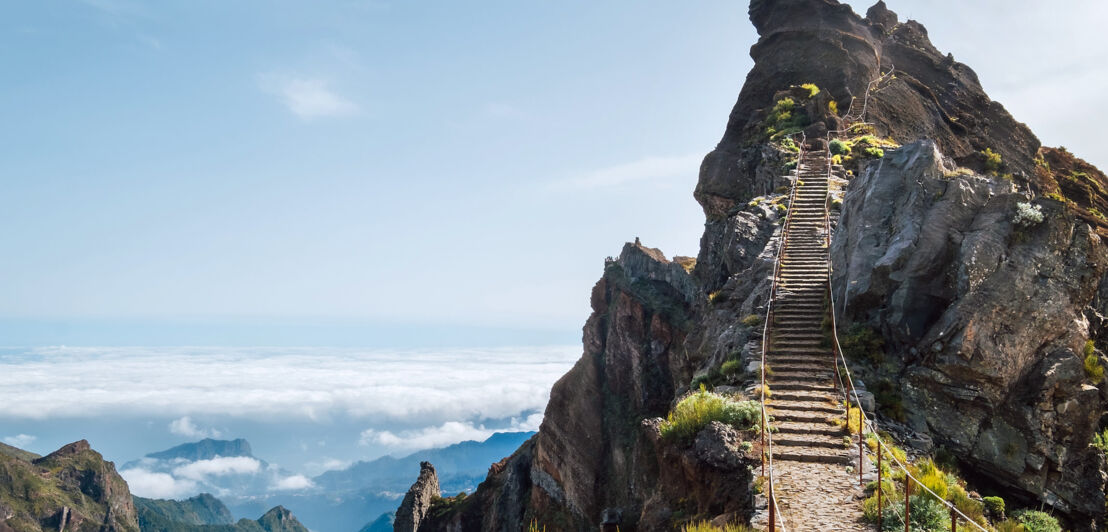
point(953, 520)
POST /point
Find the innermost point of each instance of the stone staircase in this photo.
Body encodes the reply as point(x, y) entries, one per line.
point(813, 487)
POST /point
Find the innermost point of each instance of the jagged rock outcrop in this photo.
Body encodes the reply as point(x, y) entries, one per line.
point(73, 487)
point(984, 316)
point(591, 461)
point(826, 43)
point(984, 319)
point(418, 499)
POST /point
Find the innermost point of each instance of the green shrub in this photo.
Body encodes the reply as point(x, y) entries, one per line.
point(697, 410)
point(752, 320)
point(839, 147)
point(785, 118)
point(813, 90)
point(1093, 369)
point(789, 145)
point(1010, 526)
point(731, 367)
point(863, 343)
point(926, 515)
point(1036, 521)
point(995, 507)
point(1056, 197)
point(1096, 213)
point(876, 153)
point(1100, 440)
point(992, 161)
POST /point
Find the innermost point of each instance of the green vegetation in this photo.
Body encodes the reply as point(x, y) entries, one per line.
point(534, 527)
point(813, 90)
point(695, 411)
point(839, 147)
point(731, 367)
point(994, 507)
point(889, 401)
point(712, 297)
point(876, 153)
point(789, 145)
point(1096, 213)
point(1093, 369)
point(785, 118)
point(1036, 521)
point(1100, 440)
point(752, 320)
point(957, 172)
point(1056, 197)
point(993, 162)
point(705, 526)
point(833, 107)
point(864, 344)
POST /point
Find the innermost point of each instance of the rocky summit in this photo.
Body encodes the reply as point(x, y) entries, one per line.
point(923, 233)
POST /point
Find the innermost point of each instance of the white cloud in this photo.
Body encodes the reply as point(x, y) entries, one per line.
point(448, 433)
point(309, 98)
point(419, 388)
point(218, 466)
point(185, 427)
point(145, 483)
point(295, 482)
point(20, 440)
point(645, 169)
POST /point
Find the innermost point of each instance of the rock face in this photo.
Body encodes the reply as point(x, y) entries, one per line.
point(418, 500)
point(73, 489)
point(984, 320)
point(826, 43)
point(591, 461)
point(986, 317)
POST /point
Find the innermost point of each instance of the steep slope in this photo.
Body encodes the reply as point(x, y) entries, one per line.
point(460, 466)
point(203, 509)
point(73, 488)
point(969, 277)
point(205, 513)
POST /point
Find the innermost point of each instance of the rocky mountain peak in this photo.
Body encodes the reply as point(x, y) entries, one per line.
point(413, 509)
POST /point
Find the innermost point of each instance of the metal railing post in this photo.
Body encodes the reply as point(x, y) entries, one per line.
point(907, 501)
point(879, 485)
point(772, 510)
point(861, 438)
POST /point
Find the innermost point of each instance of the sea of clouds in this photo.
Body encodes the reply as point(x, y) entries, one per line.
point(434, 386)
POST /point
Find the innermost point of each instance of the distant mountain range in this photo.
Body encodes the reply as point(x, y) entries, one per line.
point(336, 501)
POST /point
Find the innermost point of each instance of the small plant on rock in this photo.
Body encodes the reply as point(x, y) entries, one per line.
point(813, 90)
point(993, 161)
point(1093, 369)
point(839, 147)
point(1027, 214)
point(995, 507)
point(695, 411)
point(752, 320)
point(1036, 521)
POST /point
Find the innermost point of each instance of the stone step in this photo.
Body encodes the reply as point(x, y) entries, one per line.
point(780, 415)
point(829, 409)
point(800, 376)
point(814, 455)
point(808, 440)
point(798, 427)
point(799, 385)
point(806, 396)
point(802, 352)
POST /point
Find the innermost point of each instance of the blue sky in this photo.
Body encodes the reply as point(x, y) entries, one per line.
point(401, 173)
